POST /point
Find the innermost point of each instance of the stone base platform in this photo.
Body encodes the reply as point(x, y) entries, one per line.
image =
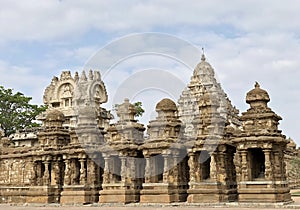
point(78, 194)
point(162, 193)
point(29, 194)
point(210, 192)
point(119, 193)
point(264, 191)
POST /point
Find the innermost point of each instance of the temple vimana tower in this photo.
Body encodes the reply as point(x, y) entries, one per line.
point(197, 150)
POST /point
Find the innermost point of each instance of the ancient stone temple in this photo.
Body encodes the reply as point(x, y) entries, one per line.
point(260, 150)
point(124, 166)
point(199, 150)
point(209, 151)
point(165, 170)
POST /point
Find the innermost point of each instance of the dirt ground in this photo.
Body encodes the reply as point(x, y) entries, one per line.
point(117, 208)
point(49, 207)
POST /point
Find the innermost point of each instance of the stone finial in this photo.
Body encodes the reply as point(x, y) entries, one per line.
point(203, 56)
point(83, 77)
point(97, 75)
point(91, 76)
point(76, 77)
point(54, 80)
point(256, 85)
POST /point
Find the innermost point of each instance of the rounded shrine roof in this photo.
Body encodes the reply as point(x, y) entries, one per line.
point(257, 94)
point(55, 115)
point(166, 105)
point(204, 68)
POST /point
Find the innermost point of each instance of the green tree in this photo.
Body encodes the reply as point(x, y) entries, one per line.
point(139, 109)
point(16, 112)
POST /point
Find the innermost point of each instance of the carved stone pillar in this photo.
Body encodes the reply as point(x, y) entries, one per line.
point(245, 176)
point(33, 174)
point(131, 168)
point(123, 168)
point(82, 171)
point(213, 167)
point(46, 177)
point(106, 170)
point(92, 172)
point(268, 167)
point(57, 173)
point(176, 169)
point(67, 177)
point(192, 166)
point(283, 169)
point(148, 170)
point(237, 164)
point(277, 174)
point(221, 167)
point(166, 169)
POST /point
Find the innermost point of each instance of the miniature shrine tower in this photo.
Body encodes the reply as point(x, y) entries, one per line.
point(259, 161)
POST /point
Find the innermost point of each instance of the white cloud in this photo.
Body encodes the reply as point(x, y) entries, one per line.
point(40, 20)
point(24, 80)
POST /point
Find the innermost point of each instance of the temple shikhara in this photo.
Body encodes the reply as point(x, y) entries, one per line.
point(198, 149)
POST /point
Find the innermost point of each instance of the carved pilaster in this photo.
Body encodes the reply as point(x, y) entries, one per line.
point(277, 172)
point(176, 169)
point(166, 169)
point(106, 170)
point(192, 166)
point(221, 167)
point(82, 171)
point(68, 172)
point(57, 174)
point(147, 171)
point(123, 169)
point(92, 172)
point(237, 163)
point(213, 167)
point(46, 177)
point(268, 166)
point(245, 176)
point(132, 168)
point(33, 173)
point(283, 171)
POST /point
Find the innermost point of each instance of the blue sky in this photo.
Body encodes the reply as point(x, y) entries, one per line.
point(245, 41)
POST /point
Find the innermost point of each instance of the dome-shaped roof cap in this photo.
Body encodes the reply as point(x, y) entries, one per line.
point(257, 94)
point(204, 68)
point(55, 115)
point(166, 105)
